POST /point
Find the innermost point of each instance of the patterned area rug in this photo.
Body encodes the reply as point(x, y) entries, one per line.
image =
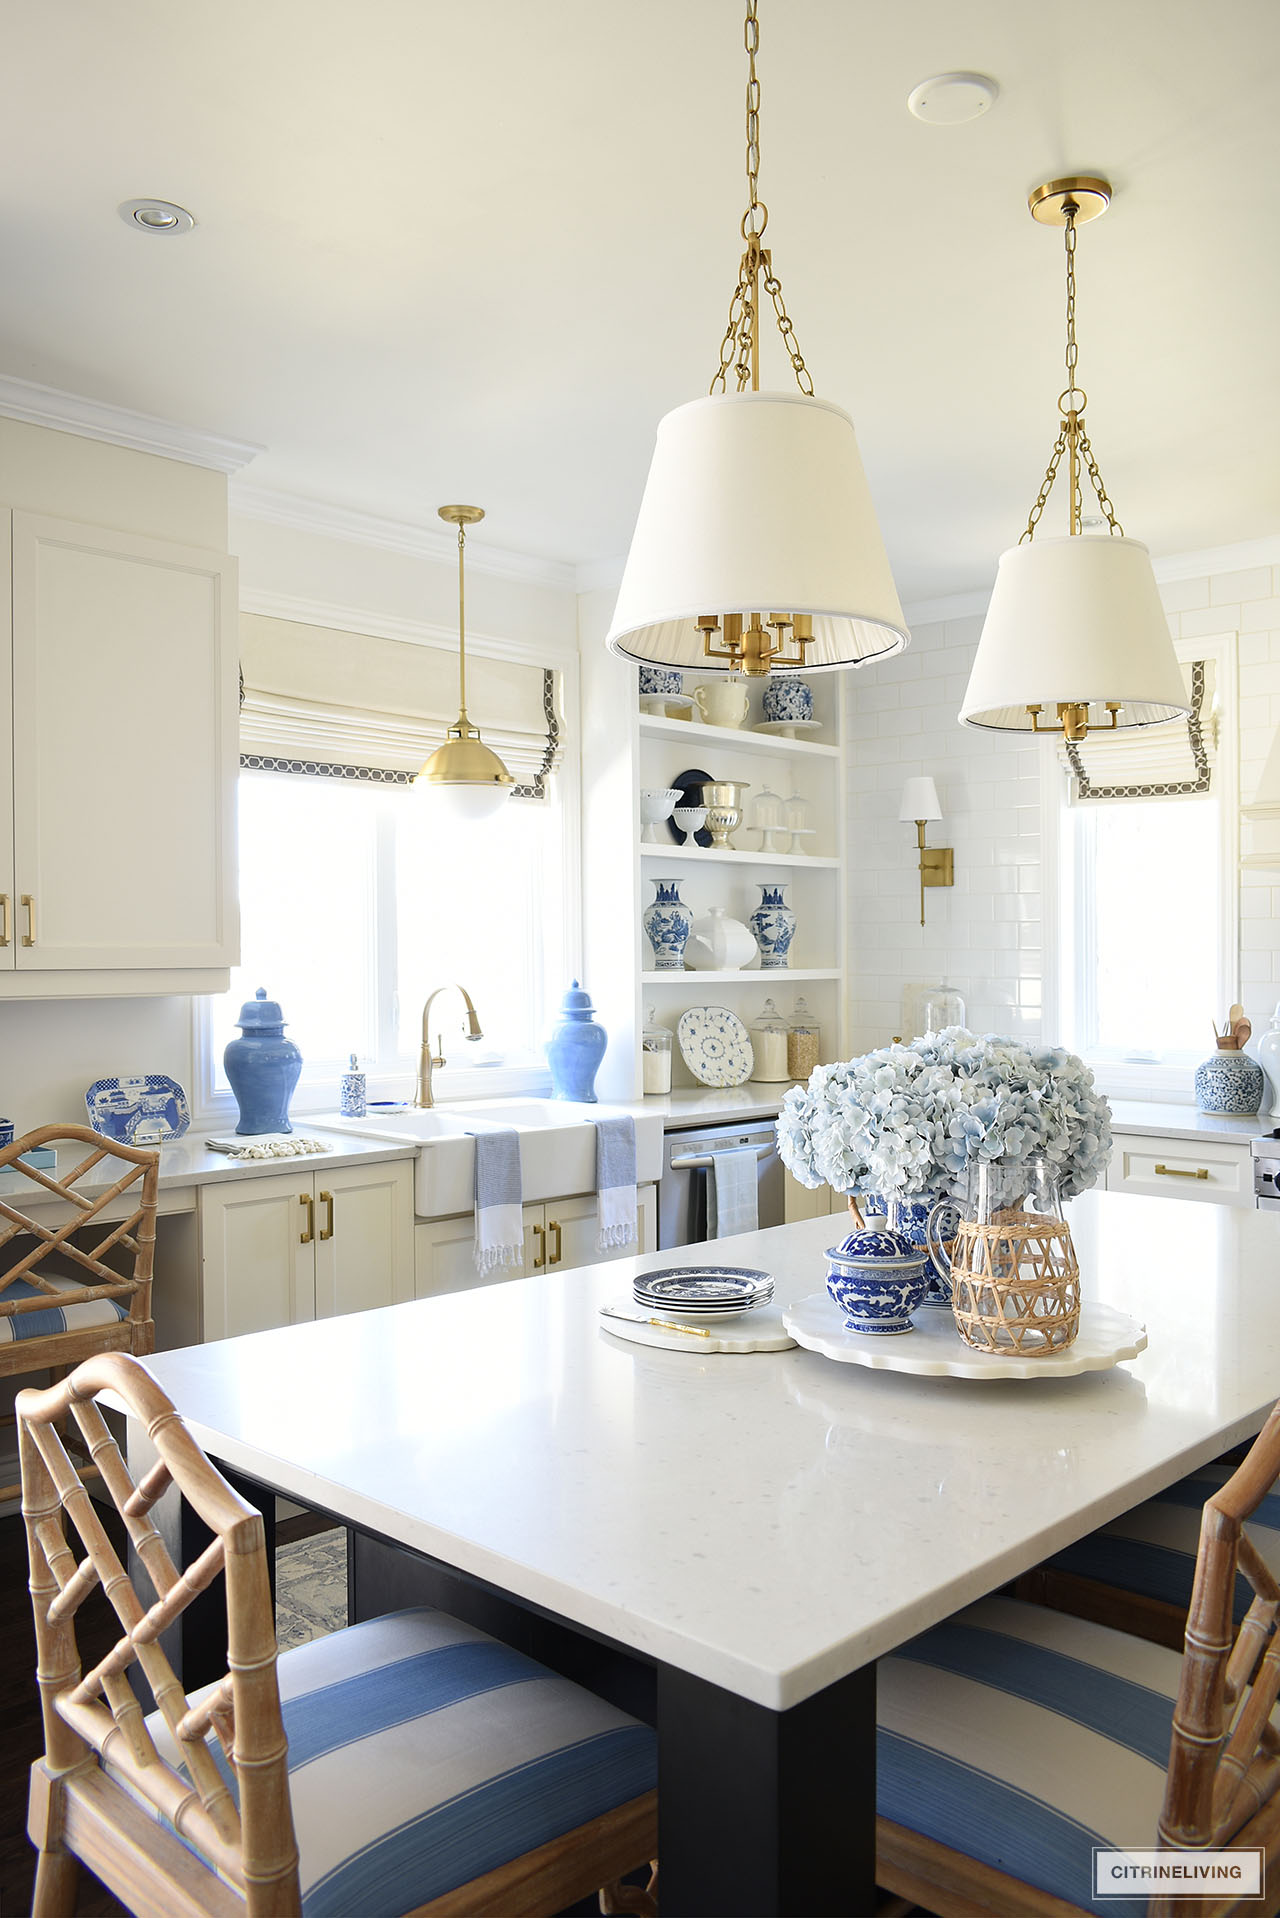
point(311, 1588)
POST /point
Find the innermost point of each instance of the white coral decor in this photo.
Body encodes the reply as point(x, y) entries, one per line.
point(908, 1120)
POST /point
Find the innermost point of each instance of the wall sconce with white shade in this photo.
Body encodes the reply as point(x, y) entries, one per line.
point(1075, 638)
point(756, 501)
point(468, 779)
point(937, 863)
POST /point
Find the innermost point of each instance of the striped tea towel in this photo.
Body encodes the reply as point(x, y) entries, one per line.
point(499, 1198)
point(732, 1192)
point(616, 1182)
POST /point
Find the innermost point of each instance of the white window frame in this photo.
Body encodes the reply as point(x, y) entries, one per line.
point(451, 1083)
point(1130, 1079)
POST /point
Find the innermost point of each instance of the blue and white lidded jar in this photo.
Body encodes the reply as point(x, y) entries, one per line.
point(1230, 1082)
point(575, 1048)
point(787, 700)
point(656, 680)
point(877, 1279)
point(262, 1067)
point(667, 924)
point(351, 1098)
point(774, 925)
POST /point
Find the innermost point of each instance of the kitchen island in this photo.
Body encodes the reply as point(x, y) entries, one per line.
point(741, 1536)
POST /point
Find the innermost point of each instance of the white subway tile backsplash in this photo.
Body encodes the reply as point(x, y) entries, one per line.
point(1183, 595)
point(1212, 621)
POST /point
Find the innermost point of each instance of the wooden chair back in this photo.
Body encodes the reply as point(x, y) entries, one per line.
point(94, 1716)
point(136, 1234)
point(1224, 1759)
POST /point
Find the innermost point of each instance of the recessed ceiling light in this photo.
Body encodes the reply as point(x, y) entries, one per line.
point(949, 99)
point(156, 216)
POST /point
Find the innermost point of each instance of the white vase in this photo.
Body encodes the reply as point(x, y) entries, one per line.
point(1266, 1050)
point(718, 943)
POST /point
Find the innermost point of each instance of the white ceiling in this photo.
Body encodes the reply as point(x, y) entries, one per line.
point(475, 251)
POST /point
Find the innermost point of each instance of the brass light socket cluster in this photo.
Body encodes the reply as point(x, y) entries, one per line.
point(750, 648)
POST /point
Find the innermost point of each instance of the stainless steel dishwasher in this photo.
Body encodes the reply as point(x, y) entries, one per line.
point(686, 1166)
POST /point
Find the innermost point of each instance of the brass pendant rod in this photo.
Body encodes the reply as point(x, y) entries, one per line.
point(462, 624)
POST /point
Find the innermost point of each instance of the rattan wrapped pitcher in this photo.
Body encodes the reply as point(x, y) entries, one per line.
point(1015, 1283)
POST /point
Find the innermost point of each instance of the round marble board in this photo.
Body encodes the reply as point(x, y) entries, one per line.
point(760, 1330)
point(715, 1045)
point(935, 1349)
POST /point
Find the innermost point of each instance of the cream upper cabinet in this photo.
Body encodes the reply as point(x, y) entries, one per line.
point(125, 751)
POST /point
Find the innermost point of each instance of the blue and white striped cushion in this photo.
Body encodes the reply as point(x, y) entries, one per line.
point(1023, 1738)
point(1152, 1549)
point(423, 1753)
point(56, 1318)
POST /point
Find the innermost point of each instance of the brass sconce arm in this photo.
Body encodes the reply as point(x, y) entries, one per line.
point(937, 865)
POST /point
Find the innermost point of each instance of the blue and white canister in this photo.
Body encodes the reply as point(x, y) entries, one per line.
point(667, 924)
point(787, 700)
point(656, 680)
point(351, 1098)
point(774, 925)
point(1230, 1082)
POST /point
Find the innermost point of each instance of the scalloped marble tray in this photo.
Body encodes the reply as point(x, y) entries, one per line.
point(935, 1349)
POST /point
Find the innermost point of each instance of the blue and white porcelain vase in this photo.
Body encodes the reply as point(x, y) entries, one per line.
point(774, 925)
point(877, 1279)
point(575, 1048)
point(908, 1219)
point(656, 680)
point(787, 700)
point(1230, 1082)
point(262, 1067)
point(667, 923)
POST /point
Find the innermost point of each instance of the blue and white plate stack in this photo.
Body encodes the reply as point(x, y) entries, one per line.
point(703, 1291)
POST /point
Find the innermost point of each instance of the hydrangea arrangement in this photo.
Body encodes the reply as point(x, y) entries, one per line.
point(907, 1121)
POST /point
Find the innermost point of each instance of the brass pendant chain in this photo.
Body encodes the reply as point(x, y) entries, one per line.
point(740, 347)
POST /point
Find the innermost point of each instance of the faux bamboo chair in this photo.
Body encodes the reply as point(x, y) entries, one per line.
point(1014, 1739)
point(58, 1302)
point(416, 1765)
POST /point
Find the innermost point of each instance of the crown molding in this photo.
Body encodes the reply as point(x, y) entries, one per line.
point(418, 632)
point(600, 575)
point(1218, 559)
point(120, 426)
point(302, 515)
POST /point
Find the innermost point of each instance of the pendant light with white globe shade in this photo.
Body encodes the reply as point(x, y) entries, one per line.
point(756, 502)
point(1076, 639)
point(463, 776)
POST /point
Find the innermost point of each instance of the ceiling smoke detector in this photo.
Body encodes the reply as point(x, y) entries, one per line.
point(156, 216)
point(949, 99)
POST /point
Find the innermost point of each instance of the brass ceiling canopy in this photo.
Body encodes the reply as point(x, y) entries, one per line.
point(1087, 195)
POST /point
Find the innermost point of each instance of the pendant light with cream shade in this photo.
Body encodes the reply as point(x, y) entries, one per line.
point(1075, 639)
point(755, 502)
point(463, 775)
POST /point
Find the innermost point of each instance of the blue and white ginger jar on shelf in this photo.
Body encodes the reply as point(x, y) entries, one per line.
point(774, 925)
point(877, 1278)
point(787, 700)
point(1230, 1082)
point(656, 680)
point(262, 1067)
point(667, 923)
point(575, 1048)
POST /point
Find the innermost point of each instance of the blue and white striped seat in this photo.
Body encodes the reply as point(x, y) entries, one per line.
point(1150, 1552)
point(1023, 1738)
point(69, 1317)
point(423, 1753)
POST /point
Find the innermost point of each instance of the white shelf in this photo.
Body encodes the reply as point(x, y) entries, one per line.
point(712, 856)
point(756, 975)
point(652, 727)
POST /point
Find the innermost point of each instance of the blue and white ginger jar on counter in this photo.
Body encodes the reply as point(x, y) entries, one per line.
point(667, 924)
point(656, 680)
point(787, 700)
point(575, 1048)
point(774, 925)
point(262, 1067)
point(877, 1279)
point(1230, 1082)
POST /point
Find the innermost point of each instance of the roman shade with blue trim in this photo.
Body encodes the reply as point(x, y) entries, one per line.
point(423, 1753)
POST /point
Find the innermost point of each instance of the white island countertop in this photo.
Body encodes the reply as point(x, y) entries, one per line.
point(1153, 1120)
point(768, 1522)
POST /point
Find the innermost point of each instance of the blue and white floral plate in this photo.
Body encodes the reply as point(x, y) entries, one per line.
point(704, 1290)
point(146, 1108)
point(715, 1045)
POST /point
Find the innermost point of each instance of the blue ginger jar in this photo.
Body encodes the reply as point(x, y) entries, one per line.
point(262, 1066)
point(1230, 1082)
point(787, 701)
point(774, 925)
point(878, 1279)
point(667, 923)
point(575, 1048)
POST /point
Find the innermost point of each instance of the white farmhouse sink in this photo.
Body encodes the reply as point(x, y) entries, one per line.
point(557, 1147)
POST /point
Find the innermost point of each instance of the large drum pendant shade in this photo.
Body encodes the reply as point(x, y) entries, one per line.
point(1075, 620)
point(757, 503)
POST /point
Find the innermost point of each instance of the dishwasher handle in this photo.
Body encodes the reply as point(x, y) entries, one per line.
point(704, 1159)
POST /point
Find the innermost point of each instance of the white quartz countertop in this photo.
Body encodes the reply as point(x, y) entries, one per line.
point(704, 1105)
point(1135, 1115)
point(188, 1161)
point(769, 1522)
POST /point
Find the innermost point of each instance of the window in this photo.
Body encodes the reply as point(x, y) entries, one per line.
point(356, 901)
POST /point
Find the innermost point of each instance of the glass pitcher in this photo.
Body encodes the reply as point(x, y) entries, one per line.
point(1007, 1251)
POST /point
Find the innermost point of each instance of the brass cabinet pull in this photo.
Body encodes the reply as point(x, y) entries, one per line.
point(540, 1234)
point(305, 1199)
point(29, 936)
point(554, 1226)
point(326, 1230)
point(1180, 1172)
point(6, 920)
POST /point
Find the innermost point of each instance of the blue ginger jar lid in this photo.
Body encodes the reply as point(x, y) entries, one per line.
point(576, 1004)
point(873, 1247)
point(260, 1014)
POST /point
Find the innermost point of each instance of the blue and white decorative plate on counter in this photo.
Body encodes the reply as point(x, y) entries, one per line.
point(147, 1108)
point(715, 1045)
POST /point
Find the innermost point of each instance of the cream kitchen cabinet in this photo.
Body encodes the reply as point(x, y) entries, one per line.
point(558, 1234)
point(1218, 1172)
point(117, 807)
point(304, 1244)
